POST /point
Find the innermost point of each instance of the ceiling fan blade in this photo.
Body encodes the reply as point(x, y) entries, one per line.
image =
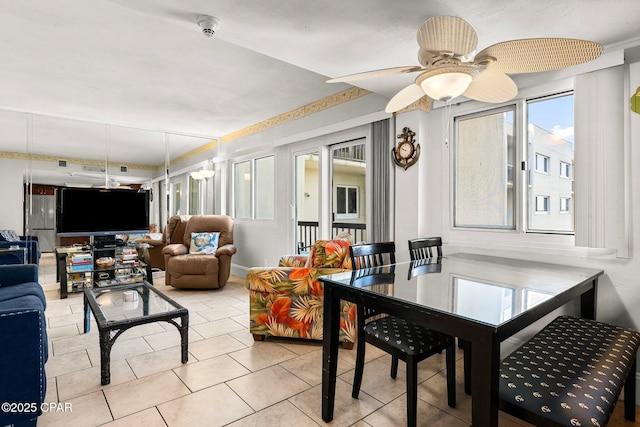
point(492, 86)
point(447, 34)
point(405, 97)
point(538, 54)
point(374, 74)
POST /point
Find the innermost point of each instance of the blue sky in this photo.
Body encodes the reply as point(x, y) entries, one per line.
point(554, 115)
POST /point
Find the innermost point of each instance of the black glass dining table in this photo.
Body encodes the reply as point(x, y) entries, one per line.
point(481, 299)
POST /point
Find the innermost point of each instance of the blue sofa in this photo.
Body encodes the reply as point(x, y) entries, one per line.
point(29, 242)
point(23, 345)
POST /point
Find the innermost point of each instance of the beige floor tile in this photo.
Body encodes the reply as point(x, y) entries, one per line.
point(266, 387)
point(260, 357)
point(210, 372)
point(134, 396)
point(308, 367)
point(88, 410)
point(347, 410)
point(68, 362)
point(212, 347)
point(147, 329)
point(195, 319)
point(169, 338)
point(121, 349)
point(211, 407)
point(395, 414)
point(155, 362)
point(69, 344)
point(217, 327)
point(147, 418)
point(220, 313)
point(282, 414)
point(64, 320)
point(434, 391)
point(377, 381)
point(245, 337)
point(88, 380)
point(301, 346)
point(63, 332)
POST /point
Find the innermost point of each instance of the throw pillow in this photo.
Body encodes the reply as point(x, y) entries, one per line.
point(329, 253)
point(204, 243)
point(9, 235)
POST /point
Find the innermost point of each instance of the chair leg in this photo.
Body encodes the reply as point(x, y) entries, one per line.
point(412, 392)
point(630, 394)
point(451, 375)
point(394, 367)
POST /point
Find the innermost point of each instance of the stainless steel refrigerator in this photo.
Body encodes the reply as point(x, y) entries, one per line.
point(41, 220)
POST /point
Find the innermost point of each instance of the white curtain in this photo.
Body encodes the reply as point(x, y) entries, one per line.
point(600, 165)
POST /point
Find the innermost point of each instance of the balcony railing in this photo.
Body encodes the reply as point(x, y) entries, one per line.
point(354, 152)
point(308, 232)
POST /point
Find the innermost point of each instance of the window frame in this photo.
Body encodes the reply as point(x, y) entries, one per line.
point(547, 164)
point(563, 170)
point(347, 214)
point(546, 204)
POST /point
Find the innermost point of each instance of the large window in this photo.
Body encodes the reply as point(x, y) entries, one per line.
point(254, 187)
point(535, 136)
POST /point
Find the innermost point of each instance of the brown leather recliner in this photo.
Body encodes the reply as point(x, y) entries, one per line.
point(173, 233)
point(210, 271)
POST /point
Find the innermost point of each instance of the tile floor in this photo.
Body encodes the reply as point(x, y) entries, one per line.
point(229, 380)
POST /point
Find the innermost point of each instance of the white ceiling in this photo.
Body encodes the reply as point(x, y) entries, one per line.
point(145, 64)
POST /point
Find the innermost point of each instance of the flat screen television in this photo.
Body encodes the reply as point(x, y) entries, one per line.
point(101, 212)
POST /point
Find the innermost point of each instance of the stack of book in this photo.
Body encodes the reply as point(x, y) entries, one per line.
point(82, 261)
point(77, 282)
point(130, 256)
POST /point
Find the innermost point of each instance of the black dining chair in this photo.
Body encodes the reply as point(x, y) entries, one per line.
point(426, 250)
point(401, 339)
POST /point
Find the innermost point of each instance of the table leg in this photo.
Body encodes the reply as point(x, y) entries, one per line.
point(588, 302)
point(331, 330)
point(87, 315)
point(484, 386)
point(105, 357)
point(184, 337)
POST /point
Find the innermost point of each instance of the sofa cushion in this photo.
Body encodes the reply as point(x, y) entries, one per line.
point(9, 293)
point(330, 254)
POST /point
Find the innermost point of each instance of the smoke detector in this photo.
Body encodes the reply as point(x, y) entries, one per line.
point(208, 24)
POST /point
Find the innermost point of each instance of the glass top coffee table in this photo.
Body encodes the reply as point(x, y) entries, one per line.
point(118, 308)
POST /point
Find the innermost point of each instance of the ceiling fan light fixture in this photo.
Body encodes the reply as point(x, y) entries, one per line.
point(446, 83)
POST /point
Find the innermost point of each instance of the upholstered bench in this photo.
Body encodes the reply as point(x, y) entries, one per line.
point(571, 374)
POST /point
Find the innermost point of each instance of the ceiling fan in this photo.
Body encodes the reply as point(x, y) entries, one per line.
point(450, 68)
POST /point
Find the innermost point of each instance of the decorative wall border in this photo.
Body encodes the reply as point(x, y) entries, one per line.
point(45, 158)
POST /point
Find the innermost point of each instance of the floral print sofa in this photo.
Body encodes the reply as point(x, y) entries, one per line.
point(287, 301)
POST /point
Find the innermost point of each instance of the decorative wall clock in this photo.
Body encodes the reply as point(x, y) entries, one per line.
point(407, 152)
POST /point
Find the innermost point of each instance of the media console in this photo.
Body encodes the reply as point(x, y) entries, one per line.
point(105, 262)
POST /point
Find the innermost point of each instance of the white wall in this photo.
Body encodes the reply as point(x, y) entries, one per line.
point(11, 177)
